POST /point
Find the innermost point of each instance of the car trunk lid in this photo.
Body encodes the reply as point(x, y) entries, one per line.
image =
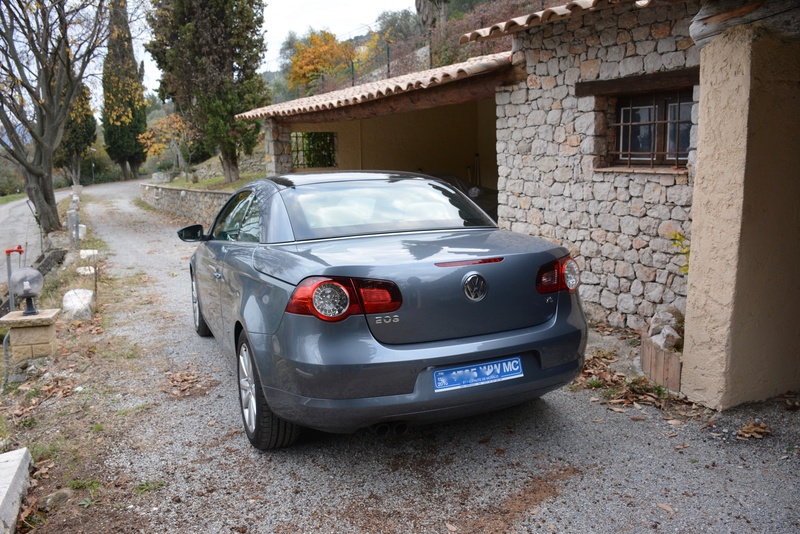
point(453, 284)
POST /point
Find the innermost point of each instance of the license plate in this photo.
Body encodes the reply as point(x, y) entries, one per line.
point(468, 376)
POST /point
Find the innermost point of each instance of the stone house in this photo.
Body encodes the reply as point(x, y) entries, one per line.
point(618, 127)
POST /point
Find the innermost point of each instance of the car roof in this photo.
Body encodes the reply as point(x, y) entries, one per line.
point(305, 178)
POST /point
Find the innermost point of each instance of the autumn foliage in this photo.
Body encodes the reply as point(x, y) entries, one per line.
point(320, 53)
point(172, 133)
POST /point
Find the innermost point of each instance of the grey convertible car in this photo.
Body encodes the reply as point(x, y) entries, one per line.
point(379, 299)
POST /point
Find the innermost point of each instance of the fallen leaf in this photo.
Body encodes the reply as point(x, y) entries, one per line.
point(499, 451)
point(598, 420)
point(673, 422)
point(451, 528)
point(484, 440)
point(638, 418)
point(666, 507)
point(681, 447)
point(753, 430)
point(535, 511)
point(637, 405)
point(618, 410)
point(212, 422)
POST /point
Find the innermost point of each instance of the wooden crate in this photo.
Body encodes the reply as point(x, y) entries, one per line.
point(661, 366)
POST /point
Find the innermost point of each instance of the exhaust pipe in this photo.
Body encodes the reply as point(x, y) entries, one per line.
point(399, 428)
point(381, 429)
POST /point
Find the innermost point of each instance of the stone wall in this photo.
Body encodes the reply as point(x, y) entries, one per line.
point(279, 147)
point(194, 205)
point(555, 178)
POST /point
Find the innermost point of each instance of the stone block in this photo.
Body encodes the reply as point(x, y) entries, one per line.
point(79, 304)
point(85, 271)
point(44, 350)
point(20, 353)
point(33, 335)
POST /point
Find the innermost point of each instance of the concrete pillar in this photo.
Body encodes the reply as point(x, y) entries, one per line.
point(32, 336)
point(741, 334)
point(279, 147)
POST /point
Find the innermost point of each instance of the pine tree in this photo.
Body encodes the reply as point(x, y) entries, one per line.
point(124, 110)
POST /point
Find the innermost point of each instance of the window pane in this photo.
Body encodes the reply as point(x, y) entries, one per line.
point(313, 149)
point(230, 219)
point(637, 132)
point(678, 130)
point(251, 226)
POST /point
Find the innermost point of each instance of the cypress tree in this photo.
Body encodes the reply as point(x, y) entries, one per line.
point(124, 108)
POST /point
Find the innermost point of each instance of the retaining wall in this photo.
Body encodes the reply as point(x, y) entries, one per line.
point(197, 206)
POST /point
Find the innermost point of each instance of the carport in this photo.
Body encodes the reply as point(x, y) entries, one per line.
point(439, 121)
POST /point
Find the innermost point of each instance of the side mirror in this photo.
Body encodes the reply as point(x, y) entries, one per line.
point(192, 233)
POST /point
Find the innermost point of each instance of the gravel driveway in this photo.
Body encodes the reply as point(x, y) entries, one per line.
point(564, 463)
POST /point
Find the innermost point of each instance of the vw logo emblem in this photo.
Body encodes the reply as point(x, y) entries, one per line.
point(475, 287)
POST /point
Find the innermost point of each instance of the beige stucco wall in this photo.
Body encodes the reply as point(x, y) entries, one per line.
point(441, 140)
point(741, 334)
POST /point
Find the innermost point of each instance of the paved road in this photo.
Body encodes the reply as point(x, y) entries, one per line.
point(565, 463)
point(19, 227)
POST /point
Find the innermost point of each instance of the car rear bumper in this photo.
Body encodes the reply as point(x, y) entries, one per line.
point(346, 382)
point(423, 406)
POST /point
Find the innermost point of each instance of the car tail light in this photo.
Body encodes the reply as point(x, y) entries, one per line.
point(562, 274)
point(378, 296)
point(334, 299)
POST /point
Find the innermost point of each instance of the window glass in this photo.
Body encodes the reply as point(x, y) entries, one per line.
point(313, 150)
point(229, 221)
point(250, 231)
point(678, 129)
point(378, 206)
point(638, 131)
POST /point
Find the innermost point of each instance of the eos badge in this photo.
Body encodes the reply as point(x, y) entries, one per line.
point(386, 319)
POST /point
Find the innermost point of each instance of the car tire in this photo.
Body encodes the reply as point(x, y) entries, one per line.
point(200, 325)
point(264, 429)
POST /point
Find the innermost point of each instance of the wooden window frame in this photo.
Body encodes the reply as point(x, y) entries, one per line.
point(665, 144)
point(658, 91)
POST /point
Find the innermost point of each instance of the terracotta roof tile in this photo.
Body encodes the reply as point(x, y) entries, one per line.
point(383, 88)
point(552, 14)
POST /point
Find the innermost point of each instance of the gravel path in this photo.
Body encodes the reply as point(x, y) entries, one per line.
point(564, 463)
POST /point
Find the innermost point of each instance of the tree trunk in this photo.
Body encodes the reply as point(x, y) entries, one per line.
point(135, 170)
point(44, 201)
point(230, 164)
point(76, 169)
point(126, 174)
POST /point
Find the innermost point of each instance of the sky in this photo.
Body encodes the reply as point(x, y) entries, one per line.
point(344, 18)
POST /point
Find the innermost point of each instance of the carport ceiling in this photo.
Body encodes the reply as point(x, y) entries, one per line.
point(474, 79)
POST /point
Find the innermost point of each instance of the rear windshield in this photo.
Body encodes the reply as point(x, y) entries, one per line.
point(339, 209)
